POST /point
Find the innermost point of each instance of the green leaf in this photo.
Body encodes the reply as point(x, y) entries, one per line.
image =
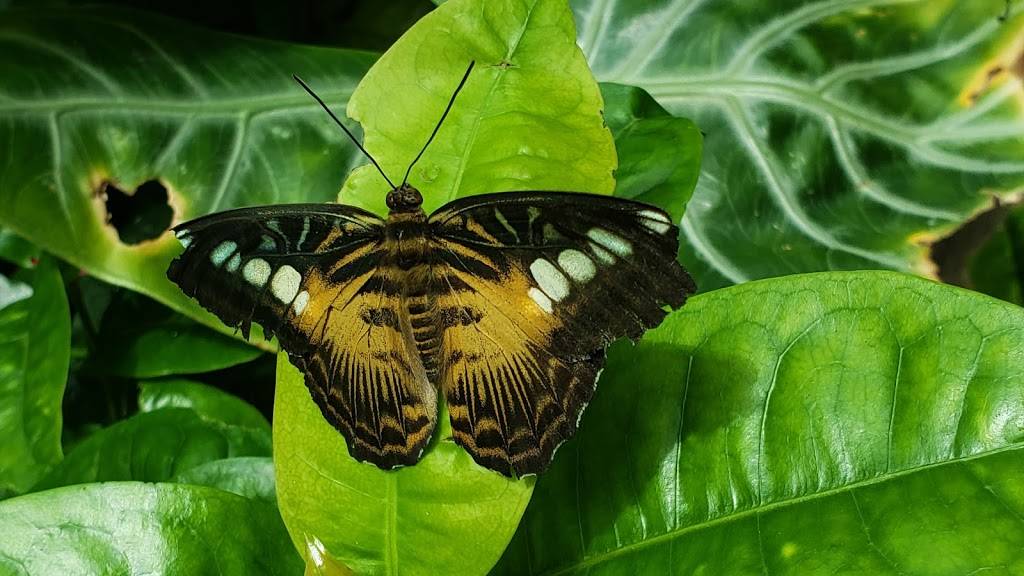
point(841, 134)
point(998, 268)
point(140, 338)
point(35, 349)
point(17, 250)
point(95, 95)
point(209, 402)
point(659, 155)
point(252, 477)
point(380, 522)
point(527, 119)
point(136, 528)
point(155, 446)
point(861, 423)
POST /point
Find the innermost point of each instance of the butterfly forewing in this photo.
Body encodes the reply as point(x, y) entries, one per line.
point(540, 284)
point(315, 275)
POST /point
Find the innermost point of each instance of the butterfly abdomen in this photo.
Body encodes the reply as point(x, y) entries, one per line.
point(421, 306)
point(409, 255)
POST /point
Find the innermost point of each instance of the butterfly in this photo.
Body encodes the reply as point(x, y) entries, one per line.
point(504, 302)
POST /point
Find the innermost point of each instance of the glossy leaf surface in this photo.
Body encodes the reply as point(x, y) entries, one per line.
point(249, 476)
point(154, 447)
point(137, 528)
point(659, 154)
point(35, 346)
point(207, 401)
point(97, 95)
point(840, 134)
point(862, 423)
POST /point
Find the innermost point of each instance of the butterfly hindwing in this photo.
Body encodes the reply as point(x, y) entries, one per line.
point(542, 283)
point(511, 398)
point(365, 374)
point(314, 275)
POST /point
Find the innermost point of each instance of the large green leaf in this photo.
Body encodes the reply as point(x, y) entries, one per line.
point(140, 338)
point(840, 133)
point(136, 528)
point(94, 95)
point(499, 136)
point(154, 447)
point(855, 423)
point(209, 402)
point(527, 119)
point(35, 348)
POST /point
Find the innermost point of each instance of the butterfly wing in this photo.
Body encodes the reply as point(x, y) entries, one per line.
point(533, 287)
point(312, 275)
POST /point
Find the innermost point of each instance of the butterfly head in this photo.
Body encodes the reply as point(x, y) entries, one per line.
point(405, 198)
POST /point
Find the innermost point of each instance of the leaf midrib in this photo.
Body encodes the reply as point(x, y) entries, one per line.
point(602, 557)
point(453, 192)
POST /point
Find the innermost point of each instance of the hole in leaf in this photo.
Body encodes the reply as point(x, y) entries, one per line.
point(954, 254)
point(139, 216)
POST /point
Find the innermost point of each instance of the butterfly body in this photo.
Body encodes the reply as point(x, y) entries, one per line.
point(407, 256)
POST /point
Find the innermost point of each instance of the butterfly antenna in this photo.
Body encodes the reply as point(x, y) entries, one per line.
point(439, 122)
point(358, 145)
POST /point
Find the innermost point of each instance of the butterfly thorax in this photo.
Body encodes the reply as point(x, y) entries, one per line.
point(408, 252)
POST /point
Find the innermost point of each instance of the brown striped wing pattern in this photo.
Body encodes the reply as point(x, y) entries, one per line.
point(314, 276)
point(532, 287)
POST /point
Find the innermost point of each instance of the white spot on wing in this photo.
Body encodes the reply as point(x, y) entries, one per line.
point(182, 232)
point(222, 252)
point(655, 221)
point(256, 271)
point(541, 299)
point(186, 241)
point(654, 215)
point(656, 227)
point(603, 255)
point(504, 222)
point(267, 244)
point(577, 265)
point(285, 284)
point(305, 230)
point(550, 280)
point(233, 263)
point(300, 302)
point(531, 214)
point(620, 246)
point(550, 234)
